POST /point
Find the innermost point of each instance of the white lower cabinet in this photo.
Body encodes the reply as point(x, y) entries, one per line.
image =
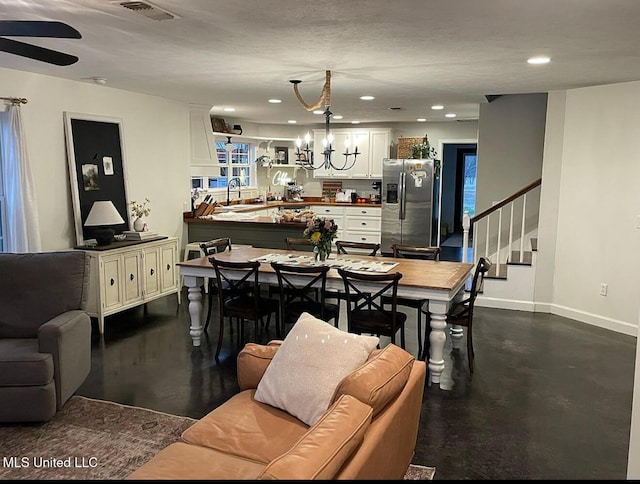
point(129, 275)
point(331, 211)
point(355, 224)
point(362, 224)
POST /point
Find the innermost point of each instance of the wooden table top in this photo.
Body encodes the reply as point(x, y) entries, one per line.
point(420, 274)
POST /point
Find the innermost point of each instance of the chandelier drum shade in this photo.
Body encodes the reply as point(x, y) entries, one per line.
point(304, 151)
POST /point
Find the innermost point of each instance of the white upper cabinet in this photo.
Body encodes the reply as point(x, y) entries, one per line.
point(373, 145)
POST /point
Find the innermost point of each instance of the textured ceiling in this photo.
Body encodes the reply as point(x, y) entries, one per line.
point(409, 54)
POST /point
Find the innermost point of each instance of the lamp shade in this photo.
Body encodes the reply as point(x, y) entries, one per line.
point(103, 213)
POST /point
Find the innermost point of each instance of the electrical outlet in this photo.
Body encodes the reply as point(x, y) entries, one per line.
point(603, 289)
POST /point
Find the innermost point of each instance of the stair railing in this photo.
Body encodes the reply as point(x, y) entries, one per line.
point(471, 224)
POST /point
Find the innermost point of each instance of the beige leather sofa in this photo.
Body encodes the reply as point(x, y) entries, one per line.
point(369, 431)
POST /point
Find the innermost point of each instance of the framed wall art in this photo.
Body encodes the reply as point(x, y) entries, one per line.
point(95, 156)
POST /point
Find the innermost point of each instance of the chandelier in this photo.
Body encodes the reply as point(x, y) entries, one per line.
point(304, 151)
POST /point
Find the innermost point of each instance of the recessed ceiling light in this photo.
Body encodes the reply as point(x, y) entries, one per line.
point(229, 110)
point(292, 121)
point(367, 98)
point(421, 120)
point(450, 115)
point(539, 60)
point(355, 122)
point(318, 111)
point(437, 107)
point(275, 101)
point(338, 116)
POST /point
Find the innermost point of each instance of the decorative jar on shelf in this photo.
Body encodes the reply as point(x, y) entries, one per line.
point(138, 224)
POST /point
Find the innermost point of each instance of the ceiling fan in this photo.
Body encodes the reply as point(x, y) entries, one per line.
point(37, 28)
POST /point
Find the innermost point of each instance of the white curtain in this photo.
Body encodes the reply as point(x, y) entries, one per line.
point(23, 230)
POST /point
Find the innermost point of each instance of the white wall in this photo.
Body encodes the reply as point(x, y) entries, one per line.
point(597, 205)
point(549, 194)
point(511, 135)
point(155, 145)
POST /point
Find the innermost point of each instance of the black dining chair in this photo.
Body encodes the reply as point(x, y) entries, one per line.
point(239, 297)
point(461, 312)
point(292, 243)
point(297, 297)
point(344, 247)
point(210, 248)
point(299, 243)
point(415, 252)
point(365, 312)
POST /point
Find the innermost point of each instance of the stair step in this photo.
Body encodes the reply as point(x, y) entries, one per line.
point(491, 273)
point(534, 244)
point(527, 258)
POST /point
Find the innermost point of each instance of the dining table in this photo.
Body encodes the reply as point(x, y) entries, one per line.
point(439, 282)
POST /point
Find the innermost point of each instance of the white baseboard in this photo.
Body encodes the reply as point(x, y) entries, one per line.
point(575, 314)
point(596, 320)
point(499, 303)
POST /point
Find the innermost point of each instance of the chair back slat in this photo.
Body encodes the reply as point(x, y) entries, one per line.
point(343, 245)
point(215, 246)
point(298, 243)
point(415, 252)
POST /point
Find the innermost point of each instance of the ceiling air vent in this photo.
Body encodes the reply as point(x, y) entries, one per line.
point(148, 10)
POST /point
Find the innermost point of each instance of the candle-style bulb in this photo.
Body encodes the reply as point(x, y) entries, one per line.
point(298, 142)
point(307, 138)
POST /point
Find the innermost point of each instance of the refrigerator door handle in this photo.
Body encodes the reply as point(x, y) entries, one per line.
point(401, 195)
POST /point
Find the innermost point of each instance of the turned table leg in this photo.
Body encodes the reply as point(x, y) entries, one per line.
point(195, 307)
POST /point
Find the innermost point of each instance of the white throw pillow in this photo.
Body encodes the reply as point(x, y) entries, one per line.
point(313, 359)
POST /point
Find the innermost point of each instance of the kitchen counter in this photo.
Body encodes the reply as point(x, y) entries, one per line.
point(240, 225)
point(253, 207)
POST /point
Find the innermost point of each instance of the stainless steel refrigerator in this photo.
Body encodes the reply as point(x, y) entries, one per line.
point(407, 203)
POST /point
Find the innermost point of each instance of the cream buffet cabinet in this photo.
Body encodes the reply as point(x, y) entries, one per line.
point(130, 273)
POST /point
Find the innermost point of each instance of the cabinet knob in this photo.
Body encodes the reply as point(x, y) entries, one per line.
point(151, 271)
point(168, 267)
point(131, 277)
point(363, 238)
point(363, 223)
point(112, 282)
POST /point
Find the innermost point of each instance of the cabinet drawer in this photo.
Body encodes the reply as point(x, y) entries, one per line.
point(364, 224)
point(357, 236)
point(328, 210)
point(363, 211)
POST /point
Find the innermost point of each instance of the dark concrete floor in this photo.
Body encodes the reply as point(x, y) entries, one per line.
point(550, 397)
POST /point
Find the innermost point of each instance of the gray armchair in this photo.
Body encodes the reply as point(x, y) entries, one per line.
point(45, 334)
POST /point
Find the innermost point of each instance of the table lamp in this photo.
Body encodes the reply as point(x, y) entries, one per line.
point(102, 214)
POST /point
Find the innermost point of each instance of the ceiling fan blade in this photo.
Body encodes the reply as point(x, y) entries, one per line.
point(37, 53)
point(38, 28)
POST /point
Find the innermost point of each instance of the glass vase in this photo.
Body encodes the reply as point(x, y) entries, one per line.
point(321, 251)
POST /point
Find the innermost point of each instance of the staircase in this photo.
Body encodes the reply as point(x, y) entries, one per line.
point(506, 234)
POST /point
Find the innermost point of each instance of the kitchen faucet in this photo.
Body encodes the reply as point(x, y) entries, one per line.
point(233, 183)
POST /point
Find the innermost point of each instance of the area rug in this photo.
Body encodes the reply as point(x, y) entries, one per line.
point(96, 439)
